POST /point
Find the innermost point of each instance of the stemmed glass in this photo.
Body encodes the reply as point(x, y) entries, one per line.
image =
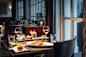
point(46, 29)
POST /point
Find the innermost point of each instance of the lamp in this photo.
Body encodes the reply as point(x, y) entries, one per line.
point(10, 5)
point(41, 23)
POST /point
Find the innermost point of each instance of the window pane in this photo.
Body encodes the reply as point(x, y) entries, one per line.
point(75, 8)
point(37, 1)
point(40, 7)
point(43, 4)
point(78, 8)
point(21, 11)
point(67, 30)
point(32, 10)
point(21, 3)
point(75, 28)
point(37, 8)
point(18, 4)
point(32, 2)
point(67, 8)
point(40, 0)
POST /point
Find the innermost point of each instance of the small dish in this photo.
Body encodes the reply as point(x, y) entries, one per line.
point(15, 49)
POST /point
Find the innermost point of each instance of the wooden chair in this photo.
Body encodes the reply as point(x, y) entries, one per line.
point(64, 49)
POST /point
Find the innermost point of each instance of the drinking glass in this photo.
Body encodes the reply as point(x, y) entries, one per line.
point(46, 29)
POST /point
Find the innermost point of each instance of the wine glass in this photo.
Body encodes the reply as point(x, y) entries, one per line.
point(46, 29)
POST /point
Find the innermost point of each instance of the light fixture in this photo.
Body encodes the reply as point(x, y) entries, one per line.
point(41, 23)
point(10, 5)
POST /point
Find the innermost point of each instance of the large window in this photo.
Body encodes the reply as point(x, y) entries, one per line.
point(19, 9)
point(37, 8)
point(73, 13)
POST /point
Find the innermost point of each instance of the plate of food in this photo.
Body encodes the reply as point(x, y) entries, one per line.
point(39, 43)
point(19, 48)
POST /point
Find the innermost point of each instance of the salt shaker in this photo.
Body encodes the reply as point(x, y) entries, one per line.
point(52, 38)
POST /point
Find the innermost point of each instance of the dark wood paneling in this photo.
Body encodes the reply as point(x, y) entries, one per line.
point(84, 6)
point(49, 13)
point(3, 9)
point(24, 10)
point(13, 9)
point(84, 28)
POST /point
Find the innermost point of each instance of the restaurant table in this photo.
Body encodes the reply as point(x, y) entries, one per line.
point(33, 52)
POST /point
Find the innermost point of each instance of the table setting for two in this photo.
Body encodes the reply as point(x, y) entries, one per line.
point(27, 45)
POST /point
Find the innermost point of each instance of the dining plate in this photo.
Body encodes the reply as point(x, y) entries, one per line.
point(44, 44)
point(15, 49)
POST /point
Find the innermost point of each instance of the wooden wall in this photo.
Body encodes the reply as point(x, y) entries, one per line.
point(84, 29)
point(49, 13)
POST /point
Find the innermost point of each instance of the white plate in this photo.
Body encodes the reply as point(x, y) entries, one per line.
point(15, 49)
point(44, 44)
point(47, 43)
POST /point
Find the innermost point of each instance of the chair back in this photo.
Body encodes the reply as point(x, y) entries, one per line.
point(64, 49)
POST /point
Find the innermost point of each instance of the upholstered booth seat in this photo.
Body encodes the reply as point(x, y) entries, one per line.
point(64, 49)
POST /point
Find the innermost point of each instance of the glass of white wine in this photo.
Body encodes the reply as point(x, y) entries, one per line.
point(46, 29)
